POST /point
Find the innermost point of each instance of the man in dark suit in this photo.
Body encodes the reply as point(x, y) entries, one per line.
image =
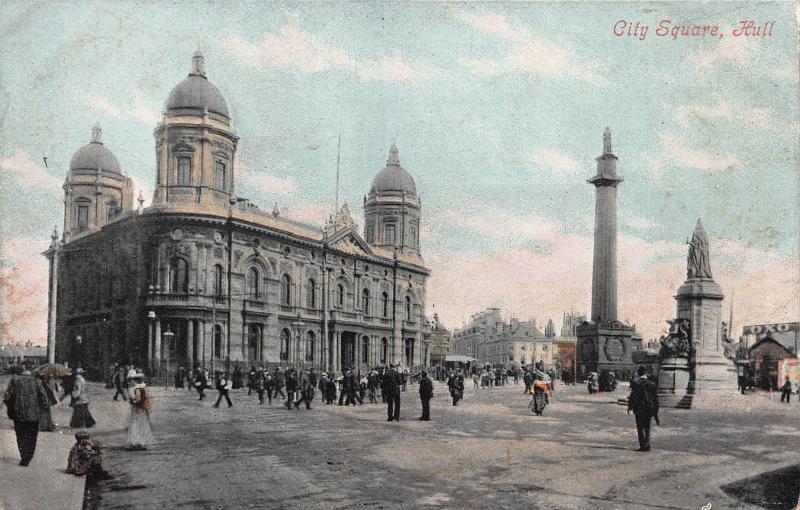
point(643, 401)
point(25, 399)
point(390, 388)
point(425, 395)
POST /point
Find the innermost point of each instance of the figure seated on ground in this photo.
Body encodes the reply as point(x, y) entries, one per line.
point(85, 457)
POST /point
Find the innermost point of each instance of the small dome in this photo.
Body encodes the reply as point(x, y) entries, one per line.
point(95, 155)
point(197, 93)
point(394, 178)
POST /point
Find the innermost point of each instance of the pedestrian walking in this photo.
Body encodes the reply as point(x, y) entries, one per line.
point(120, 380)
point(643, 401)
point(236, 378)
point(279, 383)
point(786, 390)
point(140, 433)
point(180, 375)
point(251, 379)
point(269, 385)
point(81, 417)
point(306, 391)
point(259, 383)
point(373, 382)
point(390, 388)
point(224, 385)
point(455, 383)
point(200, 382)
point(425, 396)
point(291, 388)
point(330, 389)
point(25, 398)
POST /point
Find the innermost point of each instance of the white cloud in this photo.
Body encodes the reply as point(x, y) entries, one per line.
point(23, 290)
point(528, 55)
point(23, 171)
point(271, 184)
point(730, 50)
point(680, 154)
point(557, 160)
point(291, 49)
point(138, 111)
point(741, 113)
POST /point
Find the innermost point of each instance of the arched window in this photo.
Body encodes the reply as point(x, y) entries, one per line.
point(413, 237)
point(286, 290)
point(311, 294)
point(253, 283)
point(82, 215)
point(385, 305)
point(340, 295)
point(184, 177)
point(219, 175)
point(286, 339)
point(111, 210)
point(217, 341)
point(388, 236)
point(370, 234)
point(365, 350)
point(310, 340)
point(384, 350)
point(219, 282)
point(408, 308)
point(178, 276)
point(365, 301)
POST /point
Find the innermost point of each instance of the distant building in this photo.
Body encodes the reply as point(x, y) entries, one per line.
point(765, 346)
point(493, 341)
point(11, 354)
point(441, 341)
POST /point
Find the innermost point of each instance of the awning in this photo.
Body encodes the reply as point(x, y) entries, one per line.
point(459, 358)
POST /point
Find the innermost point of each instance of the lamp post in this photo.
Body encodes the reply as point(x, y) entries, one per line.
point(79, 340)
point(151, 318)
point(298, 331)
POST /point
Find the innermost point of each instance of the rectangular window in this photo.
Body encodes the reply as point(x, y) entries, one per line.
point(219, 176)
point(370, 234)
point(184, 172)
point(413, 237)
point(83, 217)
point(389, 235)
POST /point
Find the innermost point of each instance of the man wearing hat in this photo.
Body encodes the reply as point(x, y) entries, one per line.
point(643, 401)
point(425, 395)
point(390, 388)
point(25, 398)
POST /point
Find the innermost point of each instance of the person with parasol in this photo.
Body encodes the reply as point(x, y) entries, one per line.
point(140, 433)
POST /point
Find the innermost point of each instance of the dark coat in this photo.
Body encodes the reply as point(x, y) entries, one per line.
point(425, 388)
point(390, 384)
point(291, 382)
point(643, 400)
point(25, 398)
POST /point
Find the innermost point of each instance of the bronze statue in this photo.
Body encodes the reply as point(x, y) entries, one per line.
point(676, 342)
point(698, 265)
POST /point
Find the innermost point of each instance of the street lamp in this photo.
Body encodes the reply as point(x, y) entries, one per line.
point(298, 331)
point(168, 337)
point(79, 340)
point(151, 317)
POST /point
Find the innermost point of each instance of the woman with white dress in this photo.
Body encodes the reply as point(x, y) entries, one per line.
point(81, 417)
point(140, 433)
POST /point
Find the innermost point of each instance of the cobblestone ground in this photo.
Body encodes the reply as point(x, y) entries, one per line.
point(488, 452)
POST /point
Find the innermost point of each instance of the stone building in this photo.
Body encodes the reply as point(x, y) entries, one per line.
point(441, 344)
point(493, 341)
point(205, 277)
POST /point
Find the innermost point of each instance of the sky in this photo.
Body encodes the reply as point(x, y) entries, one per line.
point(497, 109)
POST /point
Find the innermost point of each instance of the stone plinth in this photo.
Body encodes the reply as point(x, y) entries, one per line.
point(607, 346)
point(700, 301)
point(674, 383)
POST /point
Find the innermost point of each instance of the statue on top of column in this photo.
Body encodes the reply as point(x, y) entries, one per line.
point(607, 141)
point(698, 265)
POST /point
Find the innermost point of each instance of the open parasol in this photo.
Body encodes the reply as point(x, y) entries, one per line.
point(52, 371)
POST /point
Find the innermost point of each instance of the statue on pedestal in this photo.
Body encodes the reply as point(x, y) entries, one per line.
point(697, 264)
point(676, 343)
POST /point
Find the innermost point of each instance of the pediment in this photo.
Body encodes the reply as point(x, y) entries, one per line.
point(348, 240)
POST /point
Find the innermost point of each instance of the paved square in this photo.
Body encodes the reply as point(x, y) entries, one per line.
point(488, 452)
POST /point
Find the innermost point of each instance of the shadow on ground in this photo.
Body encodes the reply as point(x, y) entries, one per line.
point(774, 490)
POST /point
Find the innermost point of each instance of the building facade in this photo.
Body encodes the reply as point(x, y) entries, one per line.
point(441, 341)
point(493, 341)
point(204, 277)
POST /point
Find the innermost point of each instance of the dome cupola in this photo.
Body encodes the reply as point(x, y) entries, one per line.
point(196, 95)
point(393, 178)
point(95, 156)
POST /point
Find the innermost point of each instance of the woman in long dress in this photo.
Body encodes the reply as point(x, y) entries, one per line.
point(140, 433)
point(81, 417)
point(46, 419)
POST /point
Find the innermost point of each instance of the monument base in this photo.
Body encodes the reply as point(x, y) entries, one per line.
point(674, 383)
point(607, 347)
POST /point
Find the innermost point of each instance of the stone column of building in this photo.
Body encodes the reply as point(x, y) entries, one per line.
point(157, 349)
point(201, 343)
point(190, 342)
point(604, 270)
point(150, 345)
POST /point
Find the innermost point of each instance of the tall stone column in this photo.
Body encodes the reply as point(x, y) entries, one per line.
point(201, 343)
point(604, 269)
point(150, 345)
point(190, 343)
point(52, 296)
point(157, 349)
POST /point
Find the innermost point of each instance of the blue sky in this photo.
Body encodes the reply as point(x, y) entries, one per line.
point(497, 109)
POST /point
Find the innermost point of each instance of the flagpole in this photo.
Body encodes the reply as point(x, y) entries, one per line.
point(338, 155)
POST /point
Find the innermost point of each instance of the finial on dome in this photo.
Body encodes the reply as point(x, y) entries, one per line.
point(394, 157)
point(198, 64)
point(275, 211)
point(97, 134)
point(607, 141)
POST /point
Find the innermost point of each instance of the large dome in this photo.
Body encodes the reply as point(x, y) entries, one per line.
point(197, 93)
point(95, 155)
point(394, 178)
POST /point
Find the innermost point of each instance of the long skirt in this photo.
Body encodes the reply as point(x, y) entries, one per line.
point(46, 421)
point(140, 433)
point(81, 417)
